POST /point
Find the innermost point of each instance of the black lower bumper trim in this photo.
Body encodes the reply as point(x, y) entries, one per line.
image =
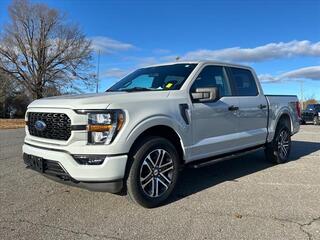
point(54, 171)
point(108, 186)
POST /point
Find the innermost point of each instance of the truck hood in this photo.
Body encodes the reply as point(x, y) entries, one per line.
point(96, 100)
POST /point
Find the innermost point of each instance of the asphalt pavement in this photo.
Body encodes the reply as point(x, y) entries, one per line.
point(243, 198)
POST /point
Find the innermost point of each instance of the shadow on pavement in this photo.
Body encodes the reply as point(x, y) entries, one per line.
point(301, 148)
point(195, 180)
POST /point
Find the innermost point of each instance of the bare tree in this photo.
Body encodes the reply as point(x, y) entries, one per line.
point(8, 88)
point(40, 49)
point(4, 86)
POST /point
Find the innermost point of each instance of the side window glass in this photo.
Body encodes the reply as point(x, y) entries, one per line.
point(244, 82)
point(213, 76)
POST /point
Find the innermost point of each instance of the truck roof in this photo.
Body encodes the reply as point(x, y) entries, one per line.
point(202, 62)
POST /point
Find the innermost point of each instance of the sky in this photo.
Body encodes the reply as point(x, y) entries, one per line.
point(279, 39)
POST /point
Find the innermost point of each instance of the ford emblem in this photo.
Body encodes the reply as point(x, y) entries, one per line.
point(40, 125)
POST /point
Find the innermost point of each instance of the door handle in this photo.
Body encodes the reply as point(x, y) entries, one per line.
point(261, 106)
point(233, 108)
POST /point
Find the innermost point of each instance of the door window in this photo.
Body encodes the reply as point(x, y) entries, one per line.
point(213, 76)
point(244, 82)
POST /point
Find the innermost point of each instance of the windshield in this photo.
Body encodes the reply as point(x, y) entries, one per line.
point(160, 78)
point(313, 107)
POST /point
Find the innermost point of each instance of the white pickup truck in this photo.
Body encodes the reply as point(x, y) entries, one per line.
point(142, 131)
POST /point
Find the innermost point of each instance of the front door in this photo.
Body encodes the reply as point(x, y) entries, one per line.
point(214, 124)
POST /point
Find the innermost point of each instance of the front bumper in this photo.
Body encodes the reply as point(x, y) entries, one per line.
point(105, 177)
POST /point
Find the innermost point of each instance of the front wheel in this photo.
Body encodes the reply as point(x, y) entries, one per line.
point(315, 120)
point(279, 149)
point(153, 173)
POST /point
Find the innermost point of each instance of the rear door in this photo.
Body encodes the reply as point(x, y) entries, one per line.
point(253, 108)
point(214, 124)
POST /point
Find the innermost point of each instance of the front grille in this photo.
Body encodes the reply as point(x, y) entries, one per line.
point(58, 125)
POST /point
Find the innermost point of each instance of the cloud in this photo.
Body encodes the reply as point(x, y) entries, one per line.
point(147, 61)
point(161, 51)
point(261, 53)
point(108, 45)
point(142, 61)
point(115, 73)
point(267, 78)
point(310, 73)
point(258, 54)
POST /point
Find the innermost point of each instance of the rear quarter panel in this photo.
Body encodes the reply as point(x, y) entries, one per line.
point(279, 105)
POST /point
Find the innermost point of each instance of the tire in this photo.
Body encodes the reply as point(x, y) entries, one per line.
point(302, 122)
point(153, 173)
point(278, 150)
point(315, 120)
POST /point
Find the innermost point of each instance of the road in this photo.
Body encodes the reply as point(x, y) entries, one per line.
point(244, 198)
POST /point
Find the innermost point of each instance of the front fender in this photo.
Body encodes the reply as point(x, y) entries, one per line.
point(159, 120)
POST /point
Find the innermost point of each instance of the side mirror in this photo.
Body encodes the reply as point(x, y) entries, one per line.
point(205, 94)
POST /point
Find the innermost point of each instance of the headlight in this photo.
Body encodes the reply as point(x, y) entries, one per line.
point(103, 126)
point(319, 114)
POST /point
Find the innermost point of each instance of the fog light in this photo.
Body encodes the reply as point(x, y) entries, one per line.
point(89, 159)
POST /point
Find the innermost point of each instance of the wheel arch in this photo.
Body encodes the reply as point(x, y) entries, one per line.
point(164, 131)
point(286, 119)
point(282, 116)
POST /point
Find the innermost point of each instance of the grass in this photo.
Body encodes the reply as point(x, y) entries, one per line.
point(11, 123)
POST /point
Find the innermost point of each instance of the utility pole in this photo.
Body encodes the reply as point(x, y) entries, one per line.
point(301, 92)
point(98, 69)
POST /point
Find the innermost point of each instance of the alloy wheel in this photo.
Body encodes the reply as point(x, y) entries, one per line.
point(283, 144)
point(156, 173)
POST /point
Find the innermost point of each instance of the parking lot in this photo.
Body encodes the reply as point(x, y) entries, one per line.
point(244, 198)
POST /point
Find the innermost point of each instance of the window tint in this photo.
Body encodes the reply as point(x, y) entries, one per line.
point(313, 107)
point(244, 82)
point(177, 80)
point(213, 76)
point(158, 78)
point(310, 107)
point(141, 81)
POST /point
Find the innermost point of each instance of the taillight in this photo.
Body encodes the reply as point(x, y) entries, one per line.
point(298, 109)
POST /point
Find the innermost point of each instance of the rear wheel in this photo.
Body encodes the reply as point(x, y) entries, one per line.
point(279, 149)
point(153, 173)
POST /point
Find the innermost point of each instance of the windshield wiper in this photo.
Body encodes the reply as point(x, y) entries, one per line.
point(136, 89)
